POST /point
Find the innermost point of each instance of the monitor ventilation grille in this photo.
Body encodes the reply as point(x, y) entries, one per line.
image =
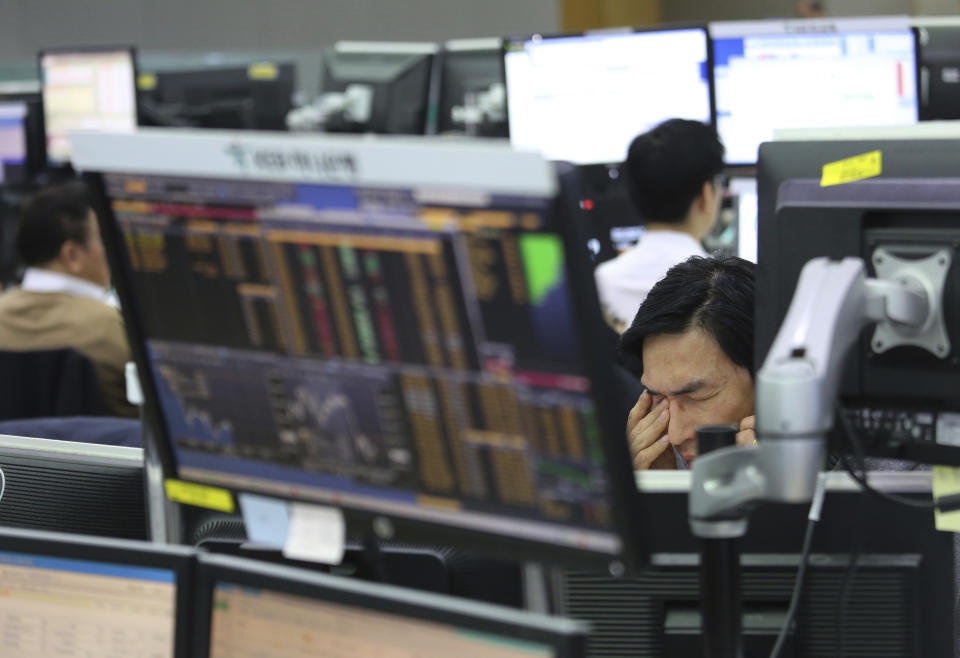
point(627, 615)
point(103, 501)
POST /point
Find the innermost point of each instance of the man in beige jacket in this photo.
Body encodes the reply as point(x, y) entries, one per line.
point(64, 300)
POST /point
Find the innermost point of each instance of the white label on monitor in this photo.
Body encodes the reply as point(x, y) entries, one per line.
point(316, 534)
point(382, 161)
point(948, 429)
point(722, 29)
point(267, 520)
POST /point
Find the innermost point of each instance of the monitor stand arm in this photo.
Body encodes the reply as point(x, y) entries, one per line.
point(354, 105)
point(796, 389)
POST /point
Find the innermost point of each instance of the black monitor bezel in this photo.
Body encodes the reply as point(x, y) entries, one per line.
point(132, 50)
point(741, 165)
point(445, 55)
point(362, 523)
point(782, 161)
point(178, 559)
point(179, 79)
point(665, 27)
point(432, 60)
point(935, 56)
point(151, 415)
point(568, 639)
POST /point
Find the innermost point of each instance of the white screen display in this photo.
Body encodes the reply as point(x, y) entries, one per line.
point(89, 91)
point(53, 606)
point(745, 191)
point(583, 99)
point(765, 82)
point(252, 623)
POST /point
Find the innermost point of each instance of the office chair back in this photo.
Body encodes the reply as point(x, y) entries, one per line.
point(43, 383)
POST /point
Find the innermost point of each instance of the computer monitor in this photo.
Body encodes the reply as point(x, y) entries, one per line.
point(87, 596)
point(472, 89)
point(86, 89)
point(600, 201)
point(814, 73)
point(31, 124)
point(903, 401)
point(253, 97)
point(898, 601)
point(66, 486)
point(405, 328)
point(939, 72)
point(13, 141)
point(583, 98)
point(377, 87)
point(248, 609)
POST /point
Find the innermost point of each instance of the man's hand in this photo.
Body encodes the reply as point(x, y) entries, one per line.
point(647, 434)
point(747, 436)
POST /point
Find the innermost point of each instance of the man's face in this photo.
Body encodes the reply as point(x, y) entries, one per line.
point(701, 384)
point(89, 261)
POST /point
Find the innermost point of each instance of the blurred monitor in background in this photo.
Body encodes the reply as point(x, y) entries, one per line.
point(472, 91)
point(257, 96)
point(770, 75)
point(582, 98)
point(13, 142)
point(91, 89)
point(376, 87)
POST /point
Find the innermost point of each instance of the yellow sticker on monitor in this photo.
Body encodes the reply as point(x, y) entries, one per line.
point(199, 495)
point(262, 71)
point(146, 81)
point(852, 169)
point(946, 482)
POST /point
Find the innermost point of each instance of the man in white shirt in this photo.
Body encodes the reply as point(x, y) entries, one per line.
point(64, 300)
point(671, 176)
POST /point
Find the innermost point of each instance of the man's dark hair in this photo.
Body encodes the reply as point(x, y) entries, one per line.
point(713, 293)
point(667, 166)
point(51, 217)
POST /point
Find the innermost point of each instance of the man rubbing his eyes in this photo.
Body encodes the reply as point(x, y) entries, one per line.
point(694, 336)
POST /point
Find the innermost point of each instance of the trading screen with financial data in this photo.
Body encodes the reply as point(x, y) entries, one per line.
point(397, 351)
point(250, 623)
point(857, 76)
point(66, 607)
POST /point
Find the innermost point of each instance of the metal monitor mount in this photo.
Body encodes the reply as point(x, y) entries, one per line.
point(795, 393)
